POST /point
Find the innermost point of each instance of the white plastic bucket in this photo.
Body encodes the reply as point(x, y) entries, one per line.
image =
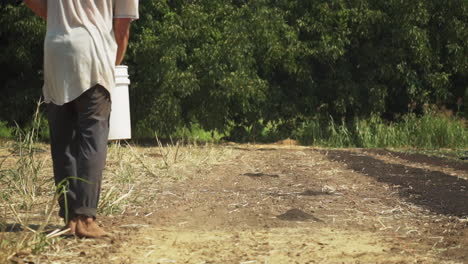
point(119, 126)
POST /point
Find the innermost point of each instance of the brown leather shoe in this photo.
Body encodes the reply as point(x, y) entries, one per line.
point(87, 227)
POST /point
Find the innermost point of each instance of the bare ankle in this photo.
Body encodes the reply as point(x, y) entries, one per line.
point(86, 218)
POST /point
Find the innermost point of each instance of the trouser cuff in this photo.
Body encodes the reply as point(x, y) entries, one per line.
point(85, 211)
point(63, 214)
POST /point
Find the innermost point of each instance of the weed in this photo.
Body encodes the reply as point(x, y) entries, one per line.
point(132, 171)
point(430, 131)
point(5, 131)
point(24, 190)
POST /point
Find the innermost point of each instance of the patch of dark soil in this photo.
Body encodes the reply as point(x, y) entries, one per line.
point(422, 158)
point(266, 149)
point(297, 215)
point(314, 193)
point(434, 190)
point(260, 174)
point(304, 193)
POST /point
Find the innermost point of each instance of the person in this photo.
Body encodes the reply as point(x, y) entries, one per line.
point(83, 43)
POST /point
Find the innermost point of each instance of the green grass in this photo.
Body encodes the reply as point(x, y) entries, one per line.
point(187, 134)
point(197, 134)
point(5, 131)
point(431, 131)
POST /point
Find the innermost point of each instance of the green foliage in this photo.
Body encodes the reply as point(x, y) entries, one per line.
point(325, 133)
point(376, 133)
point(431, 131)
point(5, 131)
point(227, 65)
point(21, 42)
point(200, 67)
point(196, 134)
point(254, 66)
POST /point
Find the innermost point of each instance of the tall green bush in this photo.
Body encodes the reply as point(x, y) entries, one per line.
point(243, 66)
point(21, 42)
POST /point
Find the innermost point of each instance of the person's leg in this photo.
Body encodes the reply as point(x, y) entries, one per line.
point(62, 121)
point(93, 109)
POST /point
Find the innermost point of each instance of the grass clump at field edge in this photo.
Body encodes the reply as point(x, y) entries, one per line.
point(430, 131)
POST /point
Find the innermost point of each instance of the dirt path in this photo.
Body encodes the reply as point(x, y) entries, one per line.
point(275, 204)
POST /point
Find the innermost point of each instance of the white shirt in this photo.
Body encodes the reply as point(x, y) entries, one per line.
point(80, 48)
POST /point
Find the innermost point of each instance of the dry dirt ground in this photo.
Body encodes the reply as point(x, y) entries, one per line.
point(289, 204)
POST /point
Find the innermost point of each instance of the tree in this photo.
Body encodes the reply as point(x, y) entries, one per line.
point(21, 56)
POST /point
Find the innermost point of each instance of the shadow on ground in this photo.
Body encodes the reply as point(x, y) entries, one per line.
point(19, 228)
point(434, 190)
point(260, 174)
point(421, 158)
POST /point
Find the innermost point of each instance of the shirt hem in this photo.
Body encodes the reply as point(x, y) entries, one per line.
point(124, 16)
point(69, 99)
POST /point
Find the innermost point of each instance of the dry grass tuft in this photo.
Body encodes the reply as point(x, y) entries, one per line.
point(26, 206)
point(133, 170)
point(28, 221)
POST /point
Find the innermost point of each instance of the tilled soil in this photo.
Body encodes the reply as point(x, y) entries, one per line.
point(288, 204)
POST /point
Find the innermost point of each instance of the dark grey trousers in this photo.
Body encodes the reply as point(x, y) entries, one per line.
point(78, 134)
